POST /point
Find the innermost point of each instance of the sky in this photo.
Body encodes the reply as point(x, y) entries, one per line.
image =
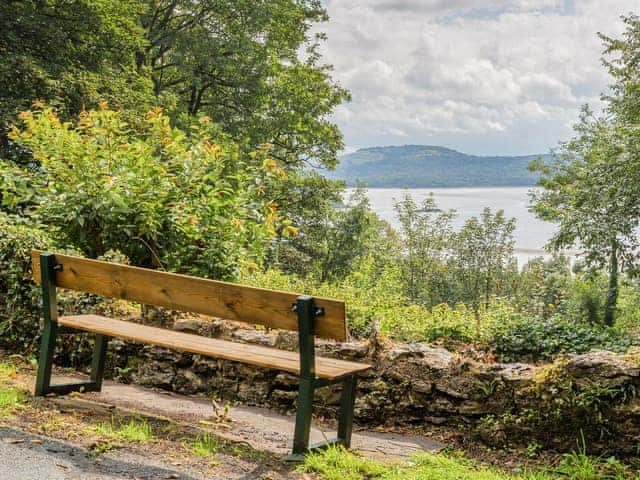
point(486, 77)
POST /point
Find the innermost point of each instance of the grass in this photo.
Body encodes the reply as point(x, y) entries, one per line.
point(7, 372)
point(11, 397)
point(206, 445)
point(338, 464)
point(135, 430)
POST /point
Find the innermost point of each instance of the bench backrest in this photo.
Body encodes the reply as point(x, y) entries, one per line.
point(271, 308)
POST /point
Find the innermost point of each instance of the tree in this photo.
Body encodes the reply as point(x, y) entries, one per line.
point(482, 254)
point(543, 285)
point(239, 62)
point(254, 68)
point(588, 190)
point(165, 199)
point(622, 60)
point(71, 55)
point(331, 235)
point(426, 233)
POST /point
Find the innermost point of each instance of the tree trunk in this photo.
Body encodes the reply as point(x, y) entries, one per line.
point(612, 293)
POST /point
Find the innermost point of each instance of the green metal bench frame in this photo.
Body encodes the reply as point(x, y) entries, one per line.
point(306, 312)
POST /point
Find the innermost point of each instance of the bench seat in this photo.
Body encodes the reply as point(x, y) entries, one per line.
point(327, 368)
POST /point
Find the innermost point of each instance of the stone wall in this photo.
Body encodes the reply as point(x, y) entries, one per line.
point(591, 395)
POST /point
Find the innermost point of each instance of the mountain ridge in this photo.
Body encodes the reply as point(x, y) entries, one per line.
point(424, 166)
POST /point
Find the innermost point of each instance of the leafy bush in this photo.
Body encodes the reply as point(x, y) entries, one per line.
point(628, 309)
point(365, 294)
point(538, 339)
point(414, 323)
point(369, 295)
point(586, 299)
point(19, 296)
point(162, 197)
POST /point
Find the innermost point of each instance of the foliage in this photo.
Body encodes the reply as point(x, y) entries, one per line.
point(19, 297)
point(159, 196)
point(529, 338)
point(370, 297)
point(584, 194)
point(629, 308)
point(621, 60)
point(254, 69)
point(366, 294)
point(542, 286)
point(426, 237)
point(414, 323)
point(240, 64)
point(482, 256)
point(328, 236)
point(69, 54)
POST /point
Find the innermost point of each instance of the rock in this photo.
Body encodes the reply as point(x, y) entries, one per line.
point(472, 407)
point(441, 405)
point(191, 325)
point(492, 433)
point(254, 392)
point(436, 420)
point(156, 374)
point(422, 386)
point(462, 383)
point(601, 364)
point(433, 358)
point(599, 367)
point(285, 397)
point(346, 351)
point(287, 340)
point(515, 375)
point(186, 381)
point(256, 337)
point(286, 380)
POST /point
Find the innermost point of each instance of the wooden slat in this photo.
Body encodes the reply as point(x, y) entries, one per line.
point(273, 358)
point(271, 308)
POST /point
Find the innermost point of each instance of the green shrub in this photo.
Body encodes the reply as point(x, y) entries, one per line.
point(185, 201)
point(586, 299)
point(19, 296)
point(537, 339)
point(366, 295)
point(414, 323)
point(628, 309)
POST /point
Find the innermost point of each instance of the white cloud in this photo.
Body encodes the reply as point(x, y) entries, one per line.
point(483, 76)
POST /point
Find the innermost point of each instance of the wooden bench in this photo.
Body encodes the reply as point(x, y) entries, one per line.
point(309, 316)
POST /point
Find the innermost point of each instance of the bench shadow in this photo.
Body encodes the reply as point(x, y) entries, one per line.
point(78, 458)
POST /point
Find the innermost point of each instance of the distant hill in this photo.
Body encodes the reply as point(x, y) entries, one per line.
point(416, 166)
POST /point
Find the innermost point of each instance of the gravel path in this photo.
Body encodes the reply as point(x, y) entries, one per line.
point(262, 428)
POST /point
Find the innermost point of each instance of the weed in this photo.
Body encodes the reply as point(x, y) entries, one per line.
point(135, 430)
point(10, 399)
point(206, 445)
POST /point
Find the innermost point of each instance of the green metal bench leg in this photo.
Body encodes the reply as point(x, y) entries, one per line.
point(98, 361)
point(48, 269)
point(345, 417)
point(303, 417)
point(45, 361)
